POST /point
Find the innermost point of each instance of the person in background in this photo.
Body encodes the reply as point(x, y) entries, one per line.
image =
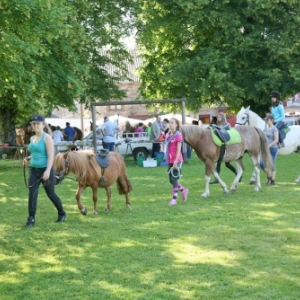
point(222, 123)
point(155, 133)
point(139, 131)
point(166, 126)
point(41, 148)
point(149, 129)
point(277, 110)
point(69, 132)
point(174, 158)
point(272, 135)
point(109, 130)
point(57, 136)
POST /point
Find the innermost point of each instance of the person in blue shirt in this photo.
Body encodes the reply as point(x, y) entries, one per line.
point(69, 132)
point(41, 148)
point(277, 110)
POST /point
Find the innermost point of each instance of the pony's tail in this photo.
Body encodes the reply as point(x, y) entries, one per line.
point(265, 152)
point(120, 185)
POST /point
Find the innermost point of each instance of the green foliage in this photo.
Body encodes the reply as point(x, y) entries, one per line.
point(215, 52)
point(237, 246)
point(51, 52)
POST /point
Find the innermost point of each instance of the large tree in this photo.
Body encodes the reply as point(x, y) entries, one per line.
point(216, 52)
point(50, 54)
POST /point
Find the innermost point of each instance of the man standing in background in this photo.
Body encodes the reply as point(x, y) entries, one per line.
point(155, 133)
point(109, 130)
point(69, 132)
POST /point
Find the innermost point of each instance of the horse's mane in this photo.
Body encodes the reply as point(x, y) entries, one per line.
point(82, 163)
point(190, 131)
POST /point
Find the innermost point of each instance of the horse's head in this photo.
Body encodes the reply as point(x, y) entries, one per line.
point(61, 165)
point(243, 116)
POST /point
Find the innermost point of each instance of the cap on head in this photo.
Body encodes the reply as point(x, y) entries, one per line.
point(275, 94)
point(269, 117)
point(105, 118)
point(38, 119)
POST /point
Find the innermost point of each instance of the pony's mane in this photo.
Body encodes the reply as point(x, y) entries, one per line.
point(82, 163)
point(189, 132)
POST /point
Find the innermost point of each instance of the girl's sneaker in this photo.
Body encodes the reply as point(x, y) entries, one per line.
point(185, 193)
point(172, 202)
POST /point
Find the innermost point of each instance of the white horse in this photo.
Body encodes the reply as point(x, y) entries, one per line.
point(292, 140)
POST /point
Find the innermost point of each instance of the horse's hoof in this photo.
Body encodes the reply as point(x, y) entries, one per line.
point(95, 212)
point(252, 182)
point(204, 195)
point(297, 180)
point(106, 209)
point(256, 189)
point(232, 191)
point(128, 206)
point(84, 211)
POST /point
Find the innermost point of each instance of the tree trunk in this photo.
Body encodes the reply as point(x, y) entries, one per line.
point(7, 127)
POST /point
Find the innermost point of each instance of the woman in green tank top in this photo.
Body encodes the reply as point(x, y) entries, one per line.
point(41, 148)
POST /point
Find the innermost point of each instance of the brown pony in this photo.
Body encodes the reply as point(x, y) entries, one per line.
point(253, 141)
point(88, 173)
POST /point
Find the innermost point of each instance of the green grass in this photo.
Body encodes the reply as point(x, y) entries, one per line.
point(237, 246)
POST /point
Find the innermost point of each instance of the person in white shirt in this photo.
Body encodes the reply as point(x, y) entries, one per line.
point(57, 136)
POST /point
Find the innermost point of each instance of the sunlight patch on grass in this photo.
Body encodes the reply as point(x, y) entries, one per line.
point(127, 243)
point(10, 277)
point(191, 254)
point(3, 184)
point(114, 289)
point(269, 215)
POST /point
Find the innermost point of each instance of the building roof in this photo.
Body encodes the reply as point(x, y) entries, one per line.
point(132, 66)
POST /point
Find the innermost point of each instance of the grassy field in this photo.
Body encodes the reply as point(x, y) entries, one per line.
point(238, 246)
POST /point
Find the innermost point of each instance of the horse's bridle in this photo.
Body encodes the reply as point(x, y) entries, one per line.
point(246, 121)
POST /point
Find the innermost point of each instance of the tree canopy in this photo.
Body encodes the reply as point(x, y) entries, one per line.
point(234, 52)
point(50, 54)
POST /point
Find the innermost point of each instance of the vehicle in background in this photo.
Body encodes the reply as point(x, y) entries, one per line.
point(292, 120)
point(127, 144)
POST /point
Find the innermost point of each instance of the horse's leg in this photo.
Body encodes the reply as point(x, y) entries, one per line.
point(79, 191)
point(209, 168)
point(240, 169)
point(95, 199)
point(256, 171)
point(108, 195)
point(253, 178)
point(298, 179)
point(124, 187)
point(222, 183)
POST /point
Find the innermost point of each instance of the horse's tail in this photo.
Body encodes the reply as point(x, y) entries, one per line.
point(120, 184)
point(265, 152)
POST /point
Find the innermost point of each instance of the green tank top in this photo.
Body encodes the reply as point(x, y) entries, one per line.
point(39, 157)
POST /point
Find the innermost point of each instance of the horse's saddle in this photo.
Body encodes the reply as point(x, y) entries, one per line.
point(102, 158)
point(222, 136)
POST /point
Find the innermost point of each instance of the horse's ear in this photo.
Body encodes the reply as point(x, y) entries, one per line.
point(248, 108)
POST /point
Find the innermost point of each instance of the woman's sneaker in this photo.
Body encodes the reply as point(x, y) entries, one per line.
point(30, 222)
point(61, 218)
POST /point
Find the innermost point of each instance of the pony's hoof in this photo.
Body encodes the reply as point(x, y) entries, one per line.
point(252, 182)
point(128, 206)
point(95, 212)
point(297, 180)
point(84, 211)
point(107, 209)
point(232, 191)
point(204, 195)
point(256, 189)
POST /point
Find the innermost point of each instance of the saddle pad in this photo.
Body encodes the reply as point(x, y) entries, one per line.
point(235, 137)
point(286, 129)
